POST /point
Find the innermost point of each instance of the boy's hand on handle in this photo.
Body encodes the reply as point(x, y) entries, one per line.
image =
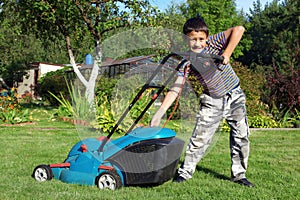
point(157, 117)
point(226, 59)
point(234, 36)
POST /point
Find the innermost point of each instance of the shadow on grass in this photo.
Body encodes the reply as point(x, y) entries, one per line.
point(207, 171)
point(213, 173)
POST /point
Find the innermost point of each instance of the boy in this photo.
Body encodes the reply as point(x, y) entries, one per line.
point(222, 98)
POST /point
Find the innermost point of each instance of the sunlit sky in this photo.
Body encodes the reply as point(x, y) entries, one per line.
point(240, 4)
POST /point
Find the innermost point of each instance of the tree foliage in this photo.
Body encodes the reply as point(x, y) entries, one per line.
point(49, 20)
point(274, 31)
point(75, 19)
point(19, 48)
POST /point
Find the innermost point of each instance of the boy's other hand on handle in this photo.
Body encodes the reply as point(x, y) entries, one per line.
point(226, 59)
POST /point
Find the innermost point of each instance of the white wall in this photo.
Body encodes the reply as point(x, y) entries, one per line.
point(45, 68)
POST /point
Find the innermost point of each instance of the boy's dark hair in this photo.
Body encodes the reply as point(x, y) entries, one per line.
point(195, 24)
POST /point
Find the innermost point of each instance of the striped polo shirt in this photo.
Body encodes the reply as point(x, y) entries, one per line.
point(217, 79)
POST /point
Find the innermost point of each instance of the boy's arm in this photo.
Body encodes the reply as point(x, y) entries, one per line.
point(233, 36)
point(169, 99)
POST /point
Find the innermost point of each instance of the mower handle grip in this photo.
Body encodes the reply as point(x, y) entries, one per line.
point(217, 57)
point(201, 55)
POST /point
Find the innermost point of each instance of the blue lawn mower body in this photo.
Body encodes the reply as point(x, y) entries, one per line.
point(145, 156)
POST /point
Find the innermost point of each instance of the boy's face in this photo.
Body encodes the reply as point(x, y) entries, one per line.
point(197, 41)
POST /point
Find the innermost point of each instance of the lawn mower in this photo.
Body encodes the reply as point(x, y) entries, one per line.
point(143, 156)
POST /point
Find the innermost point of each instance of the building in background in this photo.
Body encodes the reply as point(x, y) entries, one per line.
point(30, 80)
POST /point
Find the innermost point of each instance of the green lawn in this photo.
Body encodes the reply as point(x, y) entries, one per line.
point(273, 166)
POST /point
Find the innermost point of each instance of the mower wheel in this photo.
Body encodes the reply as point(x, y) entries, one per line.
point(109, 180)
point(42, 173)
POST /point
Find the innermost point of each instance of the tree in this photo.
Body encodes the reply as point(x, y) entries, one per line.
point(174, 17)
point(285, 90)
point(275, 34)
point(80, 17)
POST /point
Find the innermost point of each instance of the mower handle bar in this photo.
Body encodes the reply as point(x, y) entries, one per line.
point(215, 57)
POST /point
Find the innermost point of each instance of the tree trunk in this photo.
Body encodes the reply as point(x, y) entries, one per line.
point(89, 85)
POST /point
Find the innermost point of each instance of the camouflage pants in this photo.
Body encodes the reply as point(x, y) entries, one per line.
point(212, 111)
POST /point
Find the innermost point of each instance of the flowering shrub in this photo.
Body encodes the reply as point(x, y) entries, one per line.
point(10, 109)
point(8, 99)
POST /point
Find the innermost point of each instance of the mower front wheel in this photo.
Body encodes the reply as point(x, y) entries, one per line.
point(109, 180)
point(42, 173)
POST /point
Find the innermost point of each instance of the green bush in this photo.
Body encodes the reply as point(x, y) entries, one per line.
point(15, 115)
point(104, 117)
point(55, 83)
point(262, 122)
point(105, 87)
point(252, 83)
point(258, 121)
point(109, 110)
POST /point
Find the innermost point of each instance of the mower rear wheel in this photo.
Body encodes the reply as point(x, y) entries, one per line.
point(42, 173)
point(109, 180)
